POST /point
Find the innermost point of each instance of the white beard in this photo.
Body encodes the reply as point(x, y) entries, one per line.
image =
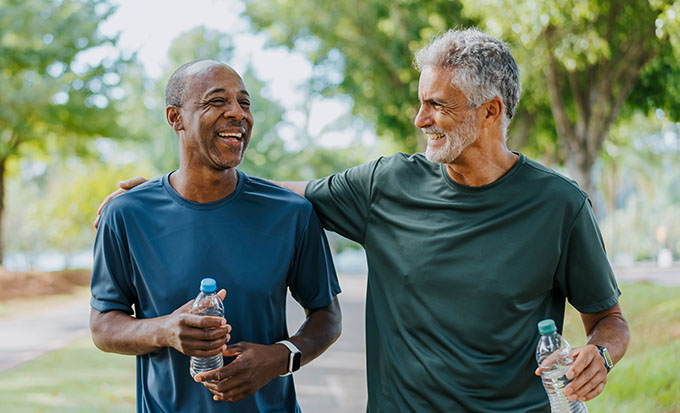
point(457, 139)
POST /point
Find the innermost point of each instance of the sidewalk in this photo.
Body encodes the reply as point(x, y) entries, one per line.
point(26, 337)
point(335, 382)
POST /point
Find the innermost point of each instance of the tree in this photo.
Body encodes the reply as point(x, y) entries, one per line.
point(362, 49)
point(267, 155)
point(581, 61)
point(585, 58)
point(48, 95)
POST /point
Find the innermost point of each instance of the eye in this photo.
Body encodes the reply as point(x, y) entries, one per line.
point(244, 103)
point(218, 101)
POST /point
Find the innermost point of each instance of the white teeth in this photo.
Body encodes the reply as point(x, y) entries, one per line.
point(435, 136)
point(229, 135)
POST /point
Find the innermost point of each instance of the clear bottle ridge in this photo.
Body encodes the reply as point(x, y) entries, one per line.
point(207, 303)
point(553, 355)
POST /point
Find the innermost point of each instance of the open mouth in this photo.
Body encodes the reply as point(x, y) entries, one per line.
point(233, 138)
point(435, 136)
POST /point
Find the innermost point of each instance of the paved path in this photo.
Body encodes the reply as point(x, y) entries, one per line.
point(333, 383)
point(28, 336)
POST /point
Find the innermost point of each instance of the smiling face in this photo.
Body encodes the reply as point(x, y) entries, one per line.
point(450, 125)
point(216, 122)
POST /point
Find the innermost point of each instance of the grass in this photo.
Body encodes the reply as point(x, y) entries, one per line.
point(80, 378)
point(647, 379)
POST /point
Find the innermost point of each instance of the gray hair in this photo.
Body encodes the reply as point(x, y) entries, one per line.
point(176, 89)
point(484, 67)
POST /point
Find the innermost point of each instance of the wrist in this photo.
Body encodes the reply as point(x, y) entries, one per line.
point(604, 353)
point(294, 357)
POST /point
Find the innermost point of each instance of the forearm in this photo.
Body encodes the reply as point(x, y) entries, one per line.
point(117, 332)
point(296, 186)
point(321, 329)
point(611, 331)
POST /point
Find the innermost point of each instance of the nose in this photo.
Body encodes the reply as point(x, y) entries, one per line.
point(423, 118)
point(234, 110)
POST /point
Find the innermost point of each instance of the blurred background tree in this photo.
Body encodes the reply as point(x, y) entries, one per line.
point(600, 102)
point(582, 58)
point(47, 98)
point(364, 50)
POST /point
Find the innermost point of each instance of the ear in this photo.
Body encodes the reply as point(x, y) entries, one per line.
point(174, 118)
point(493, 110)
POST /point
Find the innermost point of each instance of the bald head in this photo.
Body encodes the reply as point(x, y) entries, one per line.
point(176, 89)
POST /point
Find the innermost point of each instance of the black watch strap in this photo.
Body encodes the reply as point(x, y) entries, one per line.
point(608, 363)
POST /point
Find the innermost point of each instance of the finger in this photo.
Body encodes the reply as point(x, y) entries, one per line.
point(204, 336)
point(203, 321)
point(234, 394)
point(108, 198)
point(214, 376)
point(132, 182)
point(581, 360)
point(582, 383)
point(594, 393)
point(233, 350)
point(222, 294)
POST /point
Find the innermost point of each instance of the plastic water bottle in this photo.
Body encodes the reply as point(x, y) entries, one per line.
point(553, 355)
point(207, 303)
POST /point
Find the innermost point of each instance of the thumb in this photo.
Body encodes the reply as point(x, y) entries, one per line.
point(186, 307)
point(233, 350)
point(222, 294)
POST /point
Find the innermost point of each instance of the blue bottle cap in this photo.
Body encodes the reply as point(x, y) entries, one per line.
point(208, 285)
point(546, 327)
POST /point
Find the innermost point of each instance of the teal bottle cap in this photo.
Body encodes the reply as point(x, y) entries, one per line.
point(208, 285)
point(546, 327)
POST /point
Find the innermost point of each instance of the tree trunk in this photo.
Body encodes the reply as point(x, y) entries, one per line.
point(3, 161)
point(580, 166)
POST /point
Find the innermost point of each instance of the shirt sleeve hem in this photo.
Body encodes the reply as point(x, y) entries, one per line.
point(320, 302)
point(104, 306)
point(598, 307)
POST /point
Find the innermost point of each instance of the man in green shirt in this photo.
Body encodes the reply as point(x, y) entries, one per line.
point(468, 246)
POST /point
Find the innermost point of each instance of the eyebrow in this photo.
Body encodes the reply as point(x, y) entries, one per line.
point(222, 90)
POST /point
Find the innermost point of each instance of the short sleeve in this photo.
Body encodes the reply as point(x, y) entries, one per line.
point(343, 200)
point(585, 276)
point(312, 279)
point(111, 285)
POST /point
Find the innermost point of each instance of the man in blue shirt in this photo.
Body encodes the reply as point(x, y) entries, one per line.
point(156, 242)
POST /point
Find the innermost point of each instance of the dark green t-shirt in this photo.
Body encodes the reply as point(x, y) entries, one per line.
point(459, 276)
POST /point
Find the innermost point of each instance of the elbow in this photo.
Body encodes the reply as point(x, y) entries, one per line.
point(336, 320)
point(98, 330)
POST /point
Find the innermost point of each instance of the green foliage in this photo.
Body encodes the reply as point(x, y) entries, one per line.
point(641, 187)
point(362, 49)
point(54, 209)
point(45, 91)
point(645, 380)
point(580, 61)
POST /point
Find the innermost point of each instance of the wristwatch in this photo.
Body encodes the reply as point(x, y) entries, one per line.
point(608, 363)
point(293, 358)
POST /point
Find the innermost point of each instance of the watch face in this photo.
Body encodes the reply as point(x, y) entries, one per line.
point(297, 357)
point(607, 358)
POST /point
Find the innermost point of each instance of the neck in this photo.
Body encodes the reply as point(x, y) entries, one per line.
point(204, 184)
point(478, 166)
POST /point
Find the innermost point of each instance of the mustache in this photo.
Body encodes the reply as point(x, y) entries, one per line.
point(433, 129)
point(236, 123)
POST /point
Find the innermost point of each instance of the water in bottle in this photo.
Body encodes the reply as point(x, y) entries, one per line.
point(553, 355)
point(207, 303)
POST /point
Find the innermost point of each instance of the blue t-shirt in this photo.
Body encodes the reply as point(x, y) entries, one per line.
point(153, 247)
